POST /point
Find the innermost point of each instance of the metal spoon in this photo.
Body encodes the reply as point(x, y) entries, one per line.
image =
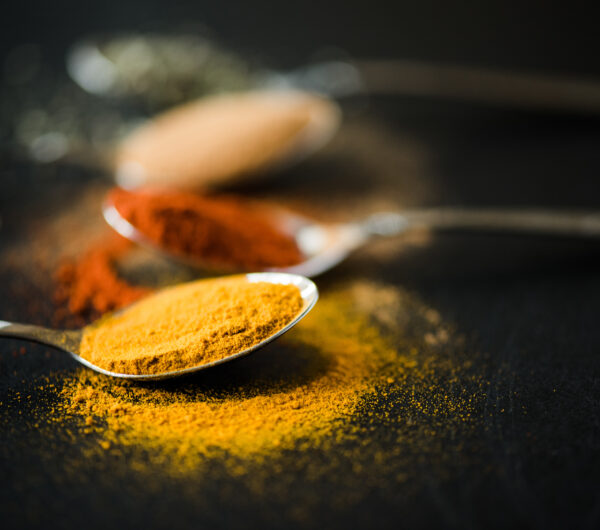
point(224, 139)
point(324, 246)
point(69, 340)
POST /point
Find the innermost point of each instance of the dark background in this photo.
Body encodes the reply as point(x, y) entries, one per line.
point(531, 304)
point(532, 34)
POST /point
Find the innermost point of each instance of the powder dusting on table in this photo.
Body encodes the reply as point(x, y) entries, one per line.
point(322, 387)
point(90, 285)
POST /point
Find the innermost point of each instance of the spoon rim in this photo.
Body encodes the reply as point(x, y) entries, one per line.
point(350, 236)
point(129, 231)
point(308, 292)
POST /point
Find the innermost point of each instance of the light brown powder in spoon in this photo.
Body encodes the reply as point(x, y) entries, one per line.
point(218, 139)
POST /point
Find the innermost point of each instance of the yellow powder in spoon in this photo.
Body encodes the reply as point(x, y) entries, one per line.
point(218, 139)
point(189, 325)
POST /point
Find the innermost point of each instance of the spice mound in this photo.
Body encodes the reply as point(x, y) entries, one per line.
point(223, 232)
point(219, 139)
point(190, 325)
point(371, 382)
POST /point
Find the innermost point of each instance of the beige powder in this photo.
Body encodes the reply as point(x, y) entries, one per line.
point(218, 139)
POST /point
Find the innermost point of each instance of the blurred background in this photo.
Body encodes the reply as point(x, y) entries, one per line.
point(522, 35)
point(498, 143)
point(531, 303)
point(398, 147)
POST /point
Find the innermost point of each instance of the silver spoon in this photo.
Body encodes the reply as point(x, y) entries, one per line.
point(69, 340)
point(324, 246)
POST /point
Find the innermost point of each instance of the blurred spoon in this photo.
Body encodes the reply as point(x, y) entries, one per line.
point(97, 67)
point(220, 139)
point(69, 341)
point(324, 246)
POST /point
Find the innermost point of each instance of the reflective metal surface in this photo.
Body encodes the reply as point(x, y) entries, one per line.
point(69, 341)
point(326, 245)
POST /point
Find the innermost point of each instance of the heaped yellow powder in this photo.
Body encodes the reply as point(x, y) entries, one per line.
point(358, 360)
point(189, 325)
point(296, 388)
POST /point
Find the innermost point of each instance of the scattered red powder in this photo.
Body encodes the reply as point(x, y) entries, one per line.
point(226, 233)
point(90, 285)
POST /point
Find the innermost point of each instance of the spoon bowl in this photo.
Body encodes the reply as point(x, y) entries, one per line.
point(225, 138)
point(325, 245)
point(321, 245)
point(69, 341)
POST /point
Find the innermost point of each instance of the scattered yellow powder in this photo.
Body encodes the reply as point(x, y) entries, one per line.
point(354, 401)
point(189, 325)
point(296, 389)
point(326, 384)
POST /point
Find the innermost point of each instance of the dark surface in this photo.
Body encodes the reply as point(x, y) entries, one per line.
point(528, 306)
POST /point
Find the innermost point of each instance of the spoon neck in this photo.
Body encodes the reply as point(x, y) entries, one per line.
point(385, 224)
point(64, 340)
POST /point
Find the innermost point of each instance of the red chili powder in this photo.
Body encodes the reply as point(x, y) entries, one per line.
point(90, 285)
point(220, 231)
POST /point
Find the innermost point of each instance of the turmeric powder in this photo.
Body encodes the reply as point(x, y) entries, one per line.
point(297, 391)
point(324, 387)
point(189, 325)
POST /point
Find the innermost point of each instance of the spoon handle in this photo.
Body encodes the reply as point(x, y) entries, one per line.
point(517, 89)
point(534, 221)
point(64, 340)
